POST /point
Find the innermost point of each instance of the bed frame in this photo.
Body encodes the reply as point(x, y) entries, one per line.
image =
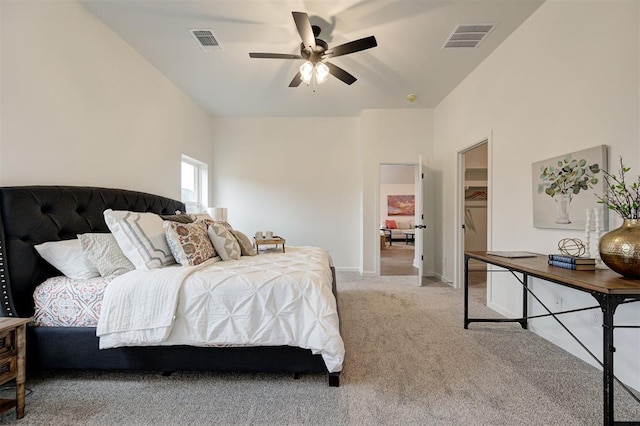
point(31, 215)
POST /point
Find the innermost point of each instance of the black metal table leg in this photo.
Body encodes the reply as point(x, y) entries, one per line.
point(525, 301)
point(607, 358)
point(609, 304)
point(466, 291)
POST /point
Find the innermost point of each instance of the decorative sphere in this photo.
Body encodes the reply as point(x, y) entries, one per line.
point(571, 247)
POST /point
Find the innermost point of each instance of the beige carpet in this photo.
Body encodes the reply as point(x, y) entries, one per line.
point(409, 362)
point(397, 259)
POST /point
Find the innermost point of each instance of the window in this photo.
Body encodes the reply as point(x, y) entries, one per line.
point(194, 185)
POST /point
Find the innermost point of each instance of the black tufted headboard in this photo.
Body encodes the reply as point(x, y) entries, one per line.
point(31, 215)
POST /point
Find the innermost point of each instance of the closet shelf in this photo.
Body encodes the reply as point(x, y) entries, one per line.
point(475, 183)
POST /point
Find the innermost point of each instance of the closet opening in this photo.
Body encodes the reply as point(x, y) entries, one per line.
point(474, 216)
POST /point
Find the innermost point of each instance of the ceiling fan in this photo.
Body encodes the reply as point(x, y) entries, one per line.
point(315, 52)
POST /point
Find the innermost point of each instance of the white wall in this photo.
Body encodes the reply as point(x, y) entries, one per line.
point(566, 80)
point(81, 107)
point(393, 137)
point(297, 177)
point(280, 174)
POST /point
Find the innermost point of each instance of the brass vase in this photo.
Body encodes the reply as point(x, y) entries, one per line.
point(620, 249)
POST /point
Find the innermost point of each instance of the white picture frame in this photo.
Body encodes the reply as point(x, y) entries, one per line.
point(559, 206)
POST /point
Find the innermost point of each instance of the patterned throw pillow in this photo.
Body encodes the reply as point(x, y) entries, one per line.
point(246, 246)
point(104, 252)
point(391, 224)
point(189, 242)
point(202, 217)
point(208, 220)
point(141, 237)
point(224, 242)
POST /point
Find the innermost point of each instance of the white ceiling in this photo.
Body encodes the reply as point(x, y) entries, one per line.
point(408, 59)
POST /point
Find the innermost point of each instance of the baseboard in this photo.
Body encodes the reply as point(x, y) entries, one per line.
point(503, 312)
point(442, 278)
point(346, 269)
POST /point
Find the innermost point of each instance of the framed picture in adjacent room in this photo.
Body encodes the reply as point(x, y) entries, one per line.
point(401, 205)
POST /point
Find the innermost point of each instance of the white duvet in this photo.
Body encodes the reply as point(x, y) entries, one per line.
point(265, 300)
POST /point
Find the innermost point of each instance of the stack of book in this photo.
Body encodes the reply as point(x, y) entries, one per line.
point(572, 262)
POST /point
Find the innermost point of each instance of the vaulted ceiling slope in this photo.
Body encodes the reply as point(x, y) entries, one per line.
point(409, 58)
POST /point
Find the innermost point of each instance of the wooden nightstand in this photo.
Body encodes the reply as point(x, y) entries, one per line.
point(269, 241)
point(12, 360)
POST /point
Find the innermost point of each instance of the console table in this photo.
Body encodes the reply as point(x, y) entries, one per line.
point(608, 288)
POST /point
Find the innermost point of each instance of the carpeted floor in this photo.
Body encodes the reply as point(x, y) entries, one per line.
point(397, 259)
point(409, 362)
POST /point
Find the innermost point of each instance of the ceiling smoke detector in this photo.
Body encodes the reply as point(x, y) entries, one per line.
point(468, 35)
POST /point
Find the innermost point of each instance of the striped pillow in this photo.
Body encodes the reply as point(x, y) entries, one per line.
point(141, 237)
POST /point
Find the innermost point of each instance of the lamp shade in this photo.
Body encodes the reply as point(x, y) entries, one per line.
point(322, 72)
point(306, 71)
point(218, 213)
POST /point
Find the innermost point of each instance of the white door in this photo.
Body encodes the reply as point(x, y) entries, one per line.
point(418, 260)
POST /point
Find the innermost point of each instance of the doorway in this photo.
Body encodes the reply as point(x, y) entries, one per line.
point(475, 215)
point(397, 196)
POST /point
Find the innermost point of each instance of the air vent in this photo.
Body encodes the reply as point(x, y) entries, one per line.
point(206, 40)
point(468, 35)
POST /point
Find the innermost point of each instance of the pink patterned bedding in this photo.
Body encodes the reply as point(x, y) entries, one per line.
point(65, 302)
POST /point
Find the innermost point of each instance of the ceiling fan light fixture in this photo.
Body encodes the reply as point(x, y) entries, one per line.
point(306, 72)
point(314, 50)
point(322, 72)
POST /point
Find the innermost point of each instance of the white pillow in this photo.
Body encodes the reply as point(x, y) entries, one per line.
point(403, 224)
point(224, 242)
point(141, 238)
point(67, 257)
point(104, 252)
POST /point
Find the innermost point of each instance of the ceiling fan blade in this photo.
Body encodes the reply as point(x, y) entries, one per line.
point(274, 56)
point(351, 47)
point(304, 29)
point(296, 80)
point(340, 74)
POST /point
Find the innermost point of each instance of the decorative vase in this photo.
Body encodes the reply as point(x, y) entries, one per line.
point(620, 249)
point(563, 202)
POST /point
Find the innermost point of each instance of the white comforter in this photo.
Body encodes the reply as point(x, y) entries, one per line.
point(264, 300)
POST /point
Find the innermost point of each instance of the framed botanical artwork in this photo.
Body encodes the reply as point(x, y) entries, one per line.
point(565, 187)
point(401, 205)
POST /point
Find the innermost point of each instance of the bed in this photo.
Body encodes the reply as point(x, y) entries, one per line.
point(32, 215)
